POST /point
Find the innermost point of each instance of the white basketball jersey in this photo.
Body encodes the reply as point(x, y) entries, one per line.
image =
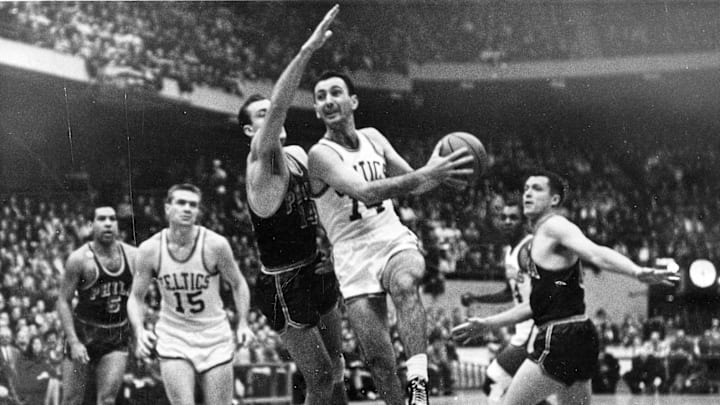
point(345, 218)
point(190, 293)
point(520, 284)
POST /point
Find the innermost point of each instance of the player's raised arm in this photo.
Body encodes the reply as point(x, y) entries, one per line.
point(571, 237)
point(326, 167)
point(70, 283)
point(146, 259)
point(265, 145)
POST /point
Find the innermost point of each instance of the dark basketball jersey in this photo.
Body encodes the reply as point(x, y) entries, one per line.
point(555, 294)
point(286, 240)
point(103, 301)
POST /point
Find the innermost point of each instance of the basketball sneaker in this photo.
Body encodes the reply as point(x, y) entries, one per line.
point(417, 391)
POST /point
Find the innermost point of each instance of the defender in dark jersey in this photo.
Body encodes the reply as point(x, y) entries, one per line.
point(297, 290)
point(97, 332)
point(289, 253)
point(566, 348)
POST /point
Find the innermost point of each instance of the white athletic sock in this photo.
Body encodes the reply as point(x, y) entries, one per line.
point(501, 381)
point(417, 367)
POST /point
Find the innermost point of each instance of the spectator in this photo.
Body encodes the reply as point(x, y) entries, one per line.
point(9, 355)
point(681, 355)
point(32, 372)
point(607, 374)
point(439, 364)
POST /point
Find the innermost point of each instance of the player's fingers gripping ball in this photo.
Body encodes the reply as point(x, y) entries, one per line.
point(456, 140)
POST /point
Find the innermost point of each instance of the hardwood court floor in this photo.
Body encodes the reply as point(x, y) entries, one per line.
point(478, 398)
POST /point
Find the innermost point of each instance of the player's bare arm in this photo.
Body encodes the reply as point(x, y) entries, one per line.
point(500, 297)
point(475, 327)
point(326, 168)
point(571, 237)
point(397, 165)
point(71, 281)
point(230, 272)
point(267, 173)
point(146, 260)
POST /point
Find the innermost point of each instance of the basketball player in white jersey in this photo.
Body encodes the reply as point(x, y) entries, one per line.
point(354, 173)
point(501, 370)
point(192, 336)
point(96, 330)
point(296, 289)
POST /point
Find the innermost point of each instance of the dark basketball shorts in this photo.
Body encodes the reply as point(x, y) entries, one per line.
point(511, 358)
point(296, 298)
point(567, 349)
point(100, 340)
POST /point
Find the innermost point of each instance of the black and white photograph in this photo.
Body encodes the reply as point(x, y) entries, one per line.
point(400, 202)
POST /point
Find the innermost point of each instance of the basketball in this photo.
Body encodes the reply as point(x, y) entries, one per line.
point(456, 140)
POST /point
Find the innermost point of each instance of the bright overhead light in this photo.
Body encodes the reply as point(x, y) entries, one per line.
point(703, 273)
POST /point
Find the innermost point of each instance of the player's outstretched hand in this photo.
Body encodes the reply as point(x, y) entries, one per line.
point(321, 33)
point(78, 353)
point(470, 330)
point(651, 275)
point(245, 335)
point(145, 344)
point(447, 168)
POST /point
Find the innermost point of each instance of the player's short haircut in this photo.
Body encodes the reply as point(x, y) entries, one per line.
point(185, 187)
point(558, 185)
point(103, 200)
point(513, 200)
point(331, 73)
point(243, 116)
point(92, 212)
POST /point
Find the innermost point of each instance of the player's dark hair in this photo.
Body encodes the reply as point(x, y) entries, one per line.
point(331, 73)
point(185, 187)
point(243, 116)
point(92, 211)
point(558, 185)
point(513, 200)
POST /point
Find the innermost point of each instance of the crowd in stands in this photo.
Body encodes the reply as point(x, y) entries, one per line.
point(663, 357)
point(143, 42)
point(647, 202)
point(459, 237)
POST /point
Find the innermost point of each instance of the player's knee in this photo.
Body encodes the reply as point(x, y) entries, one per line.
point(404, 282)
point(106, 398)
